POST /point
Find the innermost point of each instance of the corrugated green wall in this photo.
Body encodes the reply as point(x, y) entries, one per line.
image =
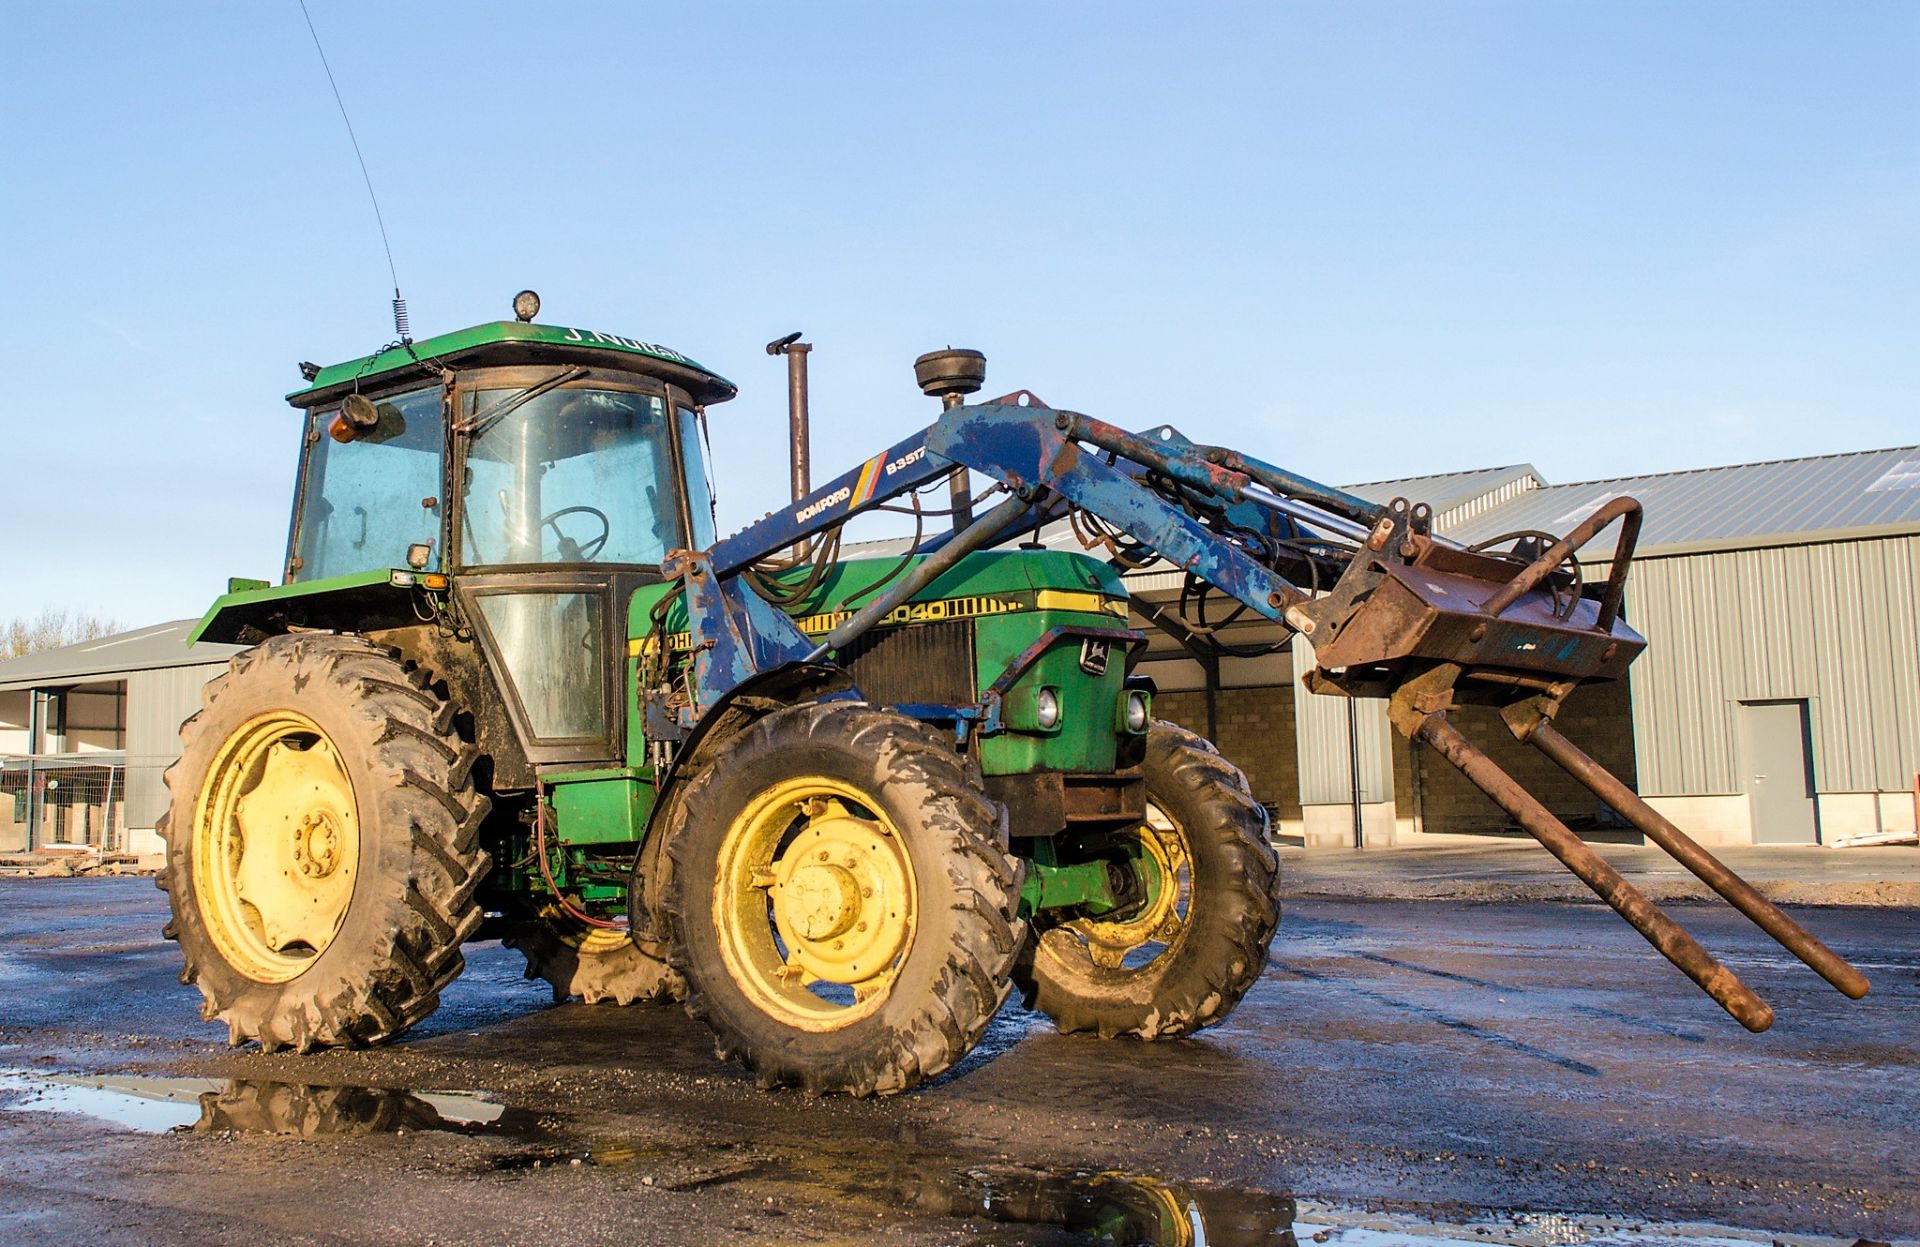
point(1837, 624)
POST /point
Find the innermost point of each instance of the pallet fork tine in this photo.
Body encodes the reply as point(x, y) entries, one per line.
point(1537, 729)
point(1434, 728)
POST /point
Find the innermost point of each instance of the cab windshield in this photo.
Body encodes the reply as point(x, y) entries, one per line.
point(571, 475)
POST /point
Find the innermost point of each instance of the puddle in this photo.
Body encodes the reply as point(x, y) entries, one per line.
point(155, 1105)
point(1124, 1210)
point(1134, 1210)
point(1110, 1208)
point(250, 1106)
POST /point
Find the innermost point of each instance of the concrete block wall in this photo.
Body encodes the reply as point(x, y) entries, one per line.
point(1596, 718)
point(1844, 814)
point(1255, 732)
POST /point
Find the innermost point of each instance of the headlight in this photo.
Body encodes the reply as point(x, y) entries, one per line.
point(1136, 711)
point(1046, 708)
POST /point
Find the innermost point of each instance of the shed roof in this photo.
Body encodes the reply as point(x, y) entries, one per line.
point(143, 649)
point(1447, 491)
point(1780, 502)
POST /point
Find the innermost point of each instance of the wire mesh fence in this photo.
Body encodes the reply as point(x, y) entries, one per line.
point(69, 802)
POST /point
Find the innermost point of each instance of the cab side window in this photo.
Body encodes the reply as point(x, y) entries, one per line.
point(363, 502)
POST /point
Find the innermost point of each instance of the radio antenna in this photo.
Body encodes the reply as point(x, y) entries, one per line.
point(400, 323)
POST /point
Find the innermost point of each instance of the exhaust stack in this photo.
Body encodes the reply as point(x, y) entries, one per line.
point(799, 432)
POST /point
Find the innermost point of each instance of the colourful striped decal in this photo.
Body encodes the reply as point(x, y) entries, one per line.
point(869, 479)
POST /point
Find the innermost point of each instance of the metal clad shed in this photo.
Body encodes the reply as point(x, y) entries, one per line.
point(159, 700)
point(1782, 589)
point(1789, 582)
point(98, 787)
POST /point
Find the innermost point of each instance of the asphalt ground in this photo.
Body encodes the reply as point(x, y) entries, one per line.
point(1532, 1072)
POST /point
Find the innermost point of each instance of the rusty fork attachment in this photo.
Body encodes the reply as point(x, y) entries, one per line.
point(1431, 627)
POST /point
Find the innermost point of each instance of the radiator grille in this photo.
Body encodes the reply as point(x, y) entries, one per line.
point(931, 662)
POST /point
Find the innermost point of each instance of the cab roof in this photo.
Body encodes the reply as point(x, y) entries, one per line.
point(515, 342)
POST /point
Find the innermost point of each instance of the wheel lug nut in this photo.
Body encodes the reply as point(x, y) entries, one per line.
point(823, 855)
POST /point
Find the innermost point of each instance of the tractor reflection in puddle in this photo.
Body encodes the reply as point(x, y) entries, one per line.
point(1126, 1210)
point(249, 1106)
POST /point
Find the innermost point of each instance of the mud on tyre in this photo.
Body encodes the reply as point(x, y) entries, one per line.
point(841, 901)
point(321, 845)
point(1181, 959)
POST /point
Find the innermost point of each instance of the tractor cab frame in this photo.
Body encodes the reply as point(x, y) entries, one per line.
point(524, 480)
point(469, 451)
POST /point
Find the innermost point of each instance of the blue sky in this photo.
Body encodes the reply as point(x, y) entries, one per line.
point(1362, 240)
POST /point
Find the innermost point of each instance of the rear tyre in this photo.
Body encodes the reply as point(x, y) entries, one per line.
point(598, 965)
point(841, 901)
point(1181, 958)
point(322, 845)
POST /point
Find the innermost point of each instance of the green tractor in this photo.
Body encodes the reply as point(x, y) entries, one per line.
point(512, 685)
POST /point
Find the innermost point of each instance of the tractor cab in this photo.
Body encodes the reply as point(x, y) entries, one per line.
point(530, 477)
point(507, 445)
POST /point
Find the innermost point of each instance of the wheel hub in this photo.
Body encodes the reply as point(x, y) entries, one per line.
point(1159, 860)
point(316, 845)
point(837, 897)
point(814, 903)
point(820, 902)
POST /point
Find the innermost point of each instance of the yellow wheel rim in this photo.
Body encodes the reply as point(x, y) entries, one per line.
point(1162, 845)
point(814, 903)
point(276, 846)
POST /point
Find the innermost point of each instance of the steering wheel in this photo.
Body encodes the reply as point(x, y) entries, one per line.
point(579, 552)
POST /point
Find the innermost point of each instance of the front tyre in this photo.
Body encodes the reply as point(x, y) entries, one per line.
point(1180, 957)
point(841, 902)
point(322, 845)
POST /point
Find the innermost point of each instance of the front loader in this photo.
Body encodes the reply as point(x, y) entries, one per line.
point(512, 685)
